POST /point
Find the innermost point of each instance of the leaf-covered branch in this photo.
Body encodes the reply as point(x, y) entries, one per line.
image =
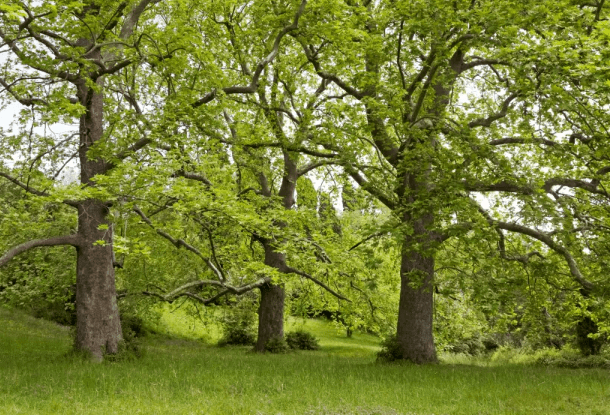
point(254, 81)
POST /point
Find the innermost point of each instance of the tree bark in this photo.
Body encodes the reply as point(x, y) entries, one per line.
point(98, 326)
point(416, 303)
point(270, 315)
point(415, 309)
point(271, 306)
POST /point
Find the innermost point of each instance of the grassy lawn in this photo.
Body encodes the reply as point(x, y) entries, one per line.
point(179, 376)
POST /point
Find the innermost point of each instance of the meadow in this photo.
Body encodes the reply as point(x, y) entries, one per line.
point(178, 375)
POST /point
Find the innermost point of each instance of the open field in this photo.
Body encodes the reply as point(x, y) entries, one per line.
point(178, 376)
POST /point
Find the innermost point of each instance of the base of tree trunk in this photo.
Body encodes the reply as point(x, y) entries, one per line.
point(270, 315)
point(98, 324)
point(415, 310)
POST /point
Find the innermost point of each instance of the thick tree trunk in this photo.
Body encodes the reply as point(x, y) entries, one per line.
point(416, 303)
point(98, 326)
point(415, 309)
point(271, 306)
point(270, 315)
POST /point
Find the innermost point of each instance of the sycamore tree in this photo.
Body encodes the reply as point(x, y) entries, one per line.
point(82, 63)
point(57, 57)
point(446, 101)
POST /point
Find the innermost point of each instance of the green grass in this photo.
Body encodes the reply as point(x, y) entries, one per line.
point(179, 376)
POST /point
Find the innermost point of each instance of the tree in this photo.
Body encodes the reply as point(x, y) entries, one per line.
point(463, 98)
point(60, 55)
point(64, 63)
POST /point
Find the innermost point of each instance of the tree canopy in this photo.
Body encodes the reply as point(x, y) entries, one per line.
point(465, 140)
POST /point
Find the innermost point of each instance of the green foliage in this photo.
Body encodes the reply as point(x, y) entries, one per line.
point(390, 350)
point(277, 345)
point(238, 326)
point(302, 340)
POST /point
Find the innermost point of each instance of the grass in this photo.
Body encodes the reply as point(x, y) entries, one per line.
point(179, 376)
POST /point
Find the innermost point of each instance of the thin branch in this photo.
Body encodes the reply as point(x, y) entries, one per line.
point(249, 89)
point(486, 122)
point(519, 140)
point(545, 239)
point(290, 270)
point(314, 165)
point(368, 238)
point(366, 185)
point(180, 243)
point(36, 192)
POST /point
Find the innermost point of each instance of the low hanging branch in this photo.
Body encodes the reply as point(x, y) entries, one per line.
point(227, 289)
point(73, 240)
point(290, 270)
point(33, 191)
point(181, 291)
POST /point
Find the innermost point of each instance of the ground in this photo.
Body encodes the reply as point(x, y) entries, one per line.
point(181, 376)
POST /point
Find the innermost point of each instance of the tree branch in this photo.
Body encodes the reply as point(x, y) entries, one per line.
point(290, 270)
point(486, 122)
point(249, 89)
point(36, 192)
point(73, 240)
point(180, 243)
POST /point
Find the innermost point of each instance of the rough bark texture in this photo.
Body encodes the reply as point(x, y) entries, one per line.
point(98, 326)
point(416, 303)
point(415, 309)
point(270, 315)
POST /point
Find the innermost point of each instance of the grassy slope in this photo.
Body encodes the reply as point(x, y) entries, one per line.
point(188, 377)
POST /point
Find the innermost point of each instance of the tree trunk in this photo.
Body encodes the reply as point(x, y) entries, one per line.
point(271, 307)
point(416, 304)
point(98, 326)
point(270, 315)
point(415, 309)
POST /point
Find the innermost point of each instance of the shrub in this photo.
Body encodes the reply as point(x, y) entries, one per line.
point(302, 340)
point(573, 361)
point(238, 327)
point(472, 346)
point(276, 345)
point(132, 325)
point(390, 350)
point(237, 336)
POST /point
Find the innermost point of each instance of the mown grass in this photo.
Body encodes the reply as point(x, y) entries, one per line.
point(179, 376)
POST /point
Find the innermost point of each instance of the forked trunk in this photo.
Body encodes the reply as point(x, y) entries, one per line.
point(270, 315)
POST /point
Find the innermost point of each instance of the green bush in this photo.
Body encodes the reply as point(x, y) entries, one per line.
point(472, 346)
point(276, 345)
point(572, 361)
point(390, 350)
point(302, 340)
point(238, 326)
point(133, 325)
point(237, 336)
